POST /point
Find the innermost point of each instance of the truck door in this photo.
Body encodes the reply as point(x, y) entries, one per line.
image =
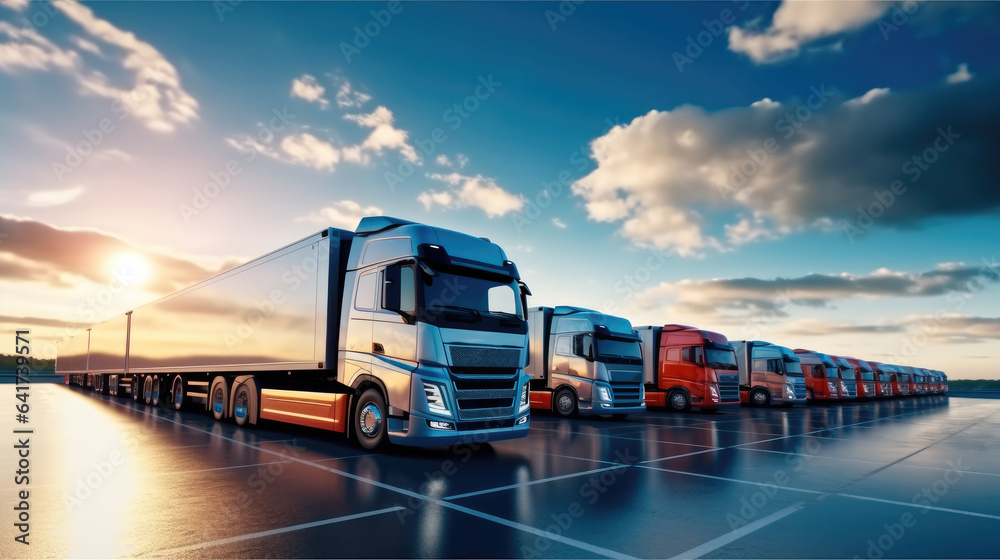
point(394, 333)
point(358, 356)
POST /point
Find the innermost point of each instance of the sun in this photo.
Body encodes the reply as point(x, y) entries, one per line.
point(131, 269)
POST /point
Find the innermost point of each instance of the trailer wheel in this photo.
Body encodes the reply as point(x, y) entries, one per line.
point(244, 404)
point(147, 390)
point(218, 400)
point(678, 401)
point(370, 420)
point(154, 397)
point(760, 397)
point(136, 388)
point(565, 403)
point(177, 392)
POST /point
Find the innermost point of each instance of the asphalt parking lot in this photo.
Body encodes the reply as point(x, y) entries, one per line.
point(915, 478)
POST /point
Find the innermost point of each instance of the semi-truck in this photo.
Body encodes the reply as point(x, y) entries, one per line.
point(583, 361)
point(821, 375)
point(769, 374)
point(864, 375)
point(396, 332)
point(884, 373)
point(903, 381)
point(686, 366)
point(848, 385)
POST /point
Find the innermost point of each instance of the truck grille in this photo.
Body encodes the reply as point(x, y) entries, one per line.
point(485, 395)
point(484, 357)
point(729, 387)
point(625, 394)
point(799, 386)
point(904, 390)
point(870, 389)
point(852, 389)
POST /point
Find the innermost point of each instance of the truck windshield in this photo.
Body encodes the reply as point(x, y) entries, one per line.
point(469, 302)
point(794, 368)
point(831, 372)
point(847, 372)
point(867, 375)
point(720, 358)
point(618, 351)
point(885, 377)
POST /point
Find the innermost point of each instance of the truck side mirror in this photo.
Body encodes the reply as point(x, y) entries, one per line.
point(583, 346)
point(398, 290)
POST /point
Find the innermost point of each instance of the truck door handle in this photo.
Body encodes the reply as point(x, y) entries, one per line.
point(377, 348)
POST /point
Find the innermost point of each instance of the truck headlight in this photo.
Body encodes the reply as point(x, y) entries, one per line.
point(831, 386)
point(714, 390)
point(523, 403)
point(642, 395)
point(435, 399)
point(604, 393)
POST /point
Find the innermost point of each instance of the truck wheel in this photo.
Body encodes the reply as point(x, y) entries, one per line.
point(678, 401)
point(218, 400)
point(177, 392)
point(760, 397)
point(565, 403)
point(147, 390)
point(370, 420)
point(136, 388)
point(244, 402)
point(154, 397)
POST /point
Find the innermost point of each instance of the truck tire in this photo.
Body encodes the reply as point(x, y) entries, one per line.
point(564, 403)
point(154, 397)
point(147, 390)
point(678, 401)
point(244, 404)
point(136, 388)
point(370, 421)
point(760, 397)
point(177, 392)
point(218, 398)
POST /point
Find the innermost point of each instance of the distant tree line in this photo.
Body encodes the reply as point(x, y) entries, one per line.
point(8, 364)
point(973, 384)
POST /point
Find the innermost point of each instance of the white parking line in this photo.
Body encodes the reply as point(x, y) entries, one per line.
point(262, 534)
point(513, 524)
point(717, 543)
point(532, 482)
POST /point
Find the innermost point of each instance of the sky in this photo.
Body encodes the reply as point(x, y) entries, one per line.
point(818, 175)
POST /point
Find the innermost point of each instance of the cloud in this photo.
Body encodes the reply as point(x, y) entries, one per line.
point(348, 97)
point(477, 191)
point(796, 23)
point(156, 97)
point(54, 198)
point(668, 177)
point(86, 45)
point(559, 223)
point(817, 328)
point(954, 328)
point(307, 88)
point(16, 5)
point(961, 74)
point(385, 135)
point(344, 214)
point(33, 251)
point(745, 297)
point(306, 149)
point(458, 163)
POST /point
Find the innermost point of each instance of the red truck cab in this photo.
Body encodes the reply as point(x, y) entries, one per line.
point(883, 376)
point(822, 375)
point(864, 375)
point(686, 366)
